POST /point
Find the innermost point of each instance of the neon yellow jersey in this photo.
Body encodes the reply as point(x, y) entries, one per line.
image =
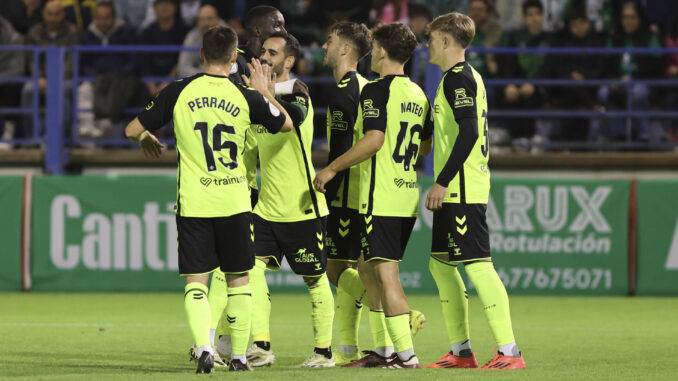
point(211, 115)
point(287, 193)
point(388, 181)
point(250, 157)
point(344, 123)
point(461, 94)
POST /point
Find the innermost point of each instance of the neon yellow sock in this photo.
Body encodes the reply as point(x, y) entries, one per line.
point(217, 297)
point(239, 316)
point(261, 303)
point(198, 312)
point(453, 299)
point(348, 318)
point(349, 281)
point(322, 311)
point(495, 301)
point(380, 336)
point(399, 330)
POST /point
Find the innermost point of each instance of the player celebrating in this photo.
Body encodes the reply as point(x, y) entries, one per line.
point(346, 43)
point(396, 116)
point(459, 200)
point(214, 223)
point(260, 22)
point(289, 216)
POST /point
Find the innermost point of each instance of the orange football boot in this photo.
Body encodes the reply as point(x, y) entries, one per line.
point(499, 362)
point(451, 361)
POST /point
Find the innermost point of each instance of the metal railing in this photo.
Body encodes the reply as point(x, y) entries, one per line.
point(56, 142)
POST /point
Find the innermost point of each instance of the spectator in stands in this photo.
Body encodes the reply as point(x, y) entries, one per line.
point(133, 12)
point(440, 7)
point(22, 14)
point(510, 14)
point(79, 12)
point(419, 17)
point(525, 95)
point(54, 30)
point(599, 12)
point(190, 62)
point(578, 34)
point(671, 71)
point(114, 84)
point(488, 34)
point(166, 30)
point(11, 65)
point(388, 11)
point(632, 31)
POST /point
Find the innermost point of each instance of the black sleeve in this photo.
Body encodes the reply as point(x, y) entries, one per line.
point(427, 133)
point(296, 105)
point(373, 100)
point(159, 111)
point(262, 111)
point(460, 92)
point(342, 113)
point(468, 135)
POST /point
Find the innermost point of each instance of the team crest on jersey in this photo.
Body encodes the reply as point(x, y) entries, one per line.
point(460, 98)
point(368, 110)
point(338, 122)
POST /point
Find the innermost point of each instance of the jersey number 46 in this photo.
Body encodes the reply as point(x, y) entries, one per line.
point(411, 149)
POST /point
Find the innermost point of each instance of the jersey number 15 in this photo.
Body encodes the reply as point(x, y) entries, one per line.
point(218, 145)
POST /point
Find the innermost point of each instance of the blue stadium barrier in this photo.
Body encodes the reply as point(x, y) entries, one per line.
point(34, 110)
point(56, 143)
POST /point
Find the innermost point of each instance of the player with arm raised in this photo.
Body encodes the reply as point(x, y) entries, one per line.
point(396, 117)
point(214, 223)
point(260, 22)
point(459, 200)
point(289, 216)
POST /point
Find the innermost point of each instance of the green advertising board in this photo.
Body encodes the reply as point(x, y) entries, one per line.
point(104, 233)
point(560, 236)
point(119, 233)
point(11, 194)
point(657, 245)
point(567, 237)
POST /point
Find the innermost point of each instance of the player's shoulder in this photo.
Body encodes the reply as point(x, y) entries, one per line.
point(462, 72)
point(377, 87)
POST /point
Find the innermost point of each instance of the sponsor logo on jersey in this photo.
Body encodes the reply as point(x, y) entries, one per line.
point(206, 181)
point(338, 122)
point(368, 109)
point(402, 182)
point(460, 98)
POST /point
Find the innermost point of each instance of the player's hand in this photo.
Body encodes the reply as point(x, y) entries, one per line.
point(271, 85)
point(150, 145)
point(322, 178)
point(434, 200)
point(260, 76)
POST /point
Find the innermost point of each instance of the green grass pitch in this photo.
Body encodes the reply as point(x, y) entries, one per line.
point(46, 336)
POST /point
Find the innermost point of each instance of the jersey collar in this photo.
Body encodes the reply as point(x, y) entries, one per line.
point(458, 64)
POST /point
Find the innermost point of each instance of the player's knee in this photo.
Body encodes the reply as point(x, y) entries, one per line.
point(334, 271)
point(311, 281)
point(238, 279)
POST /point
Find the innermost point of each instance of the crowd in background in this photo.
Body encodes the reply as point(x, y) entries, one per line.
point(112, 79)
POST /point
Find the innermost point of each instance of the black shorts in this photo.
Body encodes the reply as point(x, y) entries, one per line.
point(460, 230)
point(208, 243)
point(385, 238)
point(343, 235)
point(302, 243)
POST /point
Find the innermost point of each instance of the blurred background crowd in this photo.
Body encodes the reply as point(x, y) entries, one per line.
point(114, 81)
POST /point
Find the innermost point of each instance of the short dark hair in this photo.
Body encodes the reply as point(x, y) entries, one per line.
point(357, 34)
point(219, 43)
point(577, 13)
point(397, 39)
point(533, 4)
point(256, 14)
point(418, 10)
point(292, 46)
point(105, 4)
